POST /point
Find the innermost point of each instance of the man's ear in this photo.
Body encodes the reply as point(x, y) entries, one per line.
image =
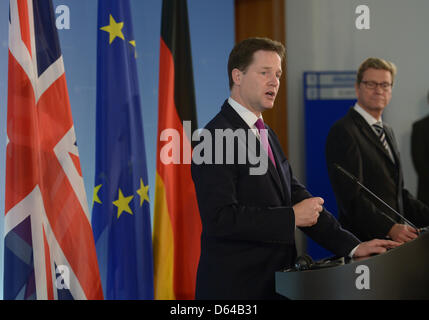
point(236, 76)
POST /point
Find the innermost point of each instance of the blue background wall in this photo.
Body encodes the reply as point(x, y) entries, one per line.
point(212, 37)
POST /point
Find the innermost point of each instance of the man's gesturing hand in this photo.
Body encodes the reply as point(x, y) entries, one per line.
point(307, 211)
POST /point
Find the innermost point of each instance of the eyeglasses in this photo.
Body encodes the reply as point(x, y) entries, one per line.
point(386, 86)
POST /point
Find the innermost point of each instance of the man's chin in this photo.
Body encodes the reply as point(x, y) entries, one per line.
point(268, 106)
point(378, 105)
point(378, 108)
point(375, 107)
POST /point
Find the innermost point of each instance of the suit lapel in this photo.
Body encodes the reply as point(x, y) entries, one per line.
point(237, 122)
point(392, 143)
point(369, 133)
point(274, 172)
point(280, 159)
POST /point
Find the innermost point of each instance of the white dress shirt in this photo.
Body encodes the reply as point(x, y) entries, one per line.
point(371, 120)
point(248, 116)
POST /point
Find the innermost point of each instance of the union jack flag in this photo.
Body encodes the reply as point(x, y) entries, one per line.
point(49, 245)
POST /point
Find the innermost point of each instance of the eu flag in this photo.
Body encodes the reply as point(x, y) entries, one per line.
point(121, 211)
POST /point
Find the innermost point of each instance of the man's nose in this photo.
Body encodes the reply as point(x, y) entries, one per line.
point(274, 81)
point(379, 89)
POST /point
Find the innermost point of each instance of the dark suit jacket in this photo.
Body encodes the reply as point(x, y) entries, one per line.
point(353, 145)
point(248, 223)
point(420, 155)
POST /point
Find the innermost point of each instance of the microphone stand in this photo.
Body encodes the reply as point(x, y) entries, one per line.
point(354, 179)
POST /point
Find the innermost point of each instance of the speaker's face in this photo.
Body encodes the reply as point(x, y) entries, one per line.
point(375, 91)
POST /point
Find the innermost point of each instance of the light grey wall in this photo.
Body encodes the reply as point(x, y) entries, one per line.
point(321, 35)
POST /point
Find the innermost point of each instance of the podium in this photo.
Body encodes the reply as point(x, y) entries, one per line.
point(400, 273)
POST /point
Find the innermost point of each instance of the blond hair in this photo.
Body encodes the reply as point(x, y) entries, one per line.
point(375, 63)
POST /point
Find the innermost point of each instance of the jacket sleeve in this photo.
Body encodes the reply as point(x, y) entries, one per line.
point(327, 231)
point(223, 217)
point(415, 211)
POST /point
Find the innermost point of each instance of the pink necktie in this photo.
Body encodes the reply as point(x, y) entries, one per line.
point(264, 139)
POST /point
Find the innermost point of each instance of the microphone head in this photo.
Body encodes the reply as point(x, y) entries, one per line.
point(338, 167)
point(303, 262)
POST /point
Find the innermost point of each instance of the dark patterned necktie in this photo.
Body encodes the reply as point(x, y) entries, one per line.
point(378, 127)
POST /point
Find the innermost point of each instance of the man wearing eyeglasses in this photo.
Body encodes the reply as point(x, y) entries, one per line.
point(363, 144)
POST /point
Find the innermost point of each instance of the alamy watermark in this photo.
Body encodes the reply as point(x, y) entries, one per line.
point(362, 22)
point(62, 20)
point(363, 280)
point(221, 146)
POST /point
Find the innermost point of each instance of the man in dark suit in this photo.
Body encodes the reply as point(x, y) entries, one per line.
point(365, 146)
point(420, 155)
point(249, 217)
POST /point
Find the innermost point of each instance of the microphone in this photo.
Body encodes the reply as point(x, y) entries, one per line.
point(355, 180)
point(305, 262)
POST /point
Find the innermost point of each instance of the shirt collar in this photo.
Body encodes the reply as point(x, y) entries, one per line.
point(248, 116)
point(369, 118)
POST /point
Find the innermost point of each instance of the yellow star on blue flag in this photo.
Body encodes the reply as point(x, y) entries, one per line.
point(123, 203)
point(114, 29)
point(121, 212)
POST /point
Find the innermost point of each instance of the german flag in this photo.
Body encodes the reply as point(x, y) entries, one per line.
point(177, 225)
